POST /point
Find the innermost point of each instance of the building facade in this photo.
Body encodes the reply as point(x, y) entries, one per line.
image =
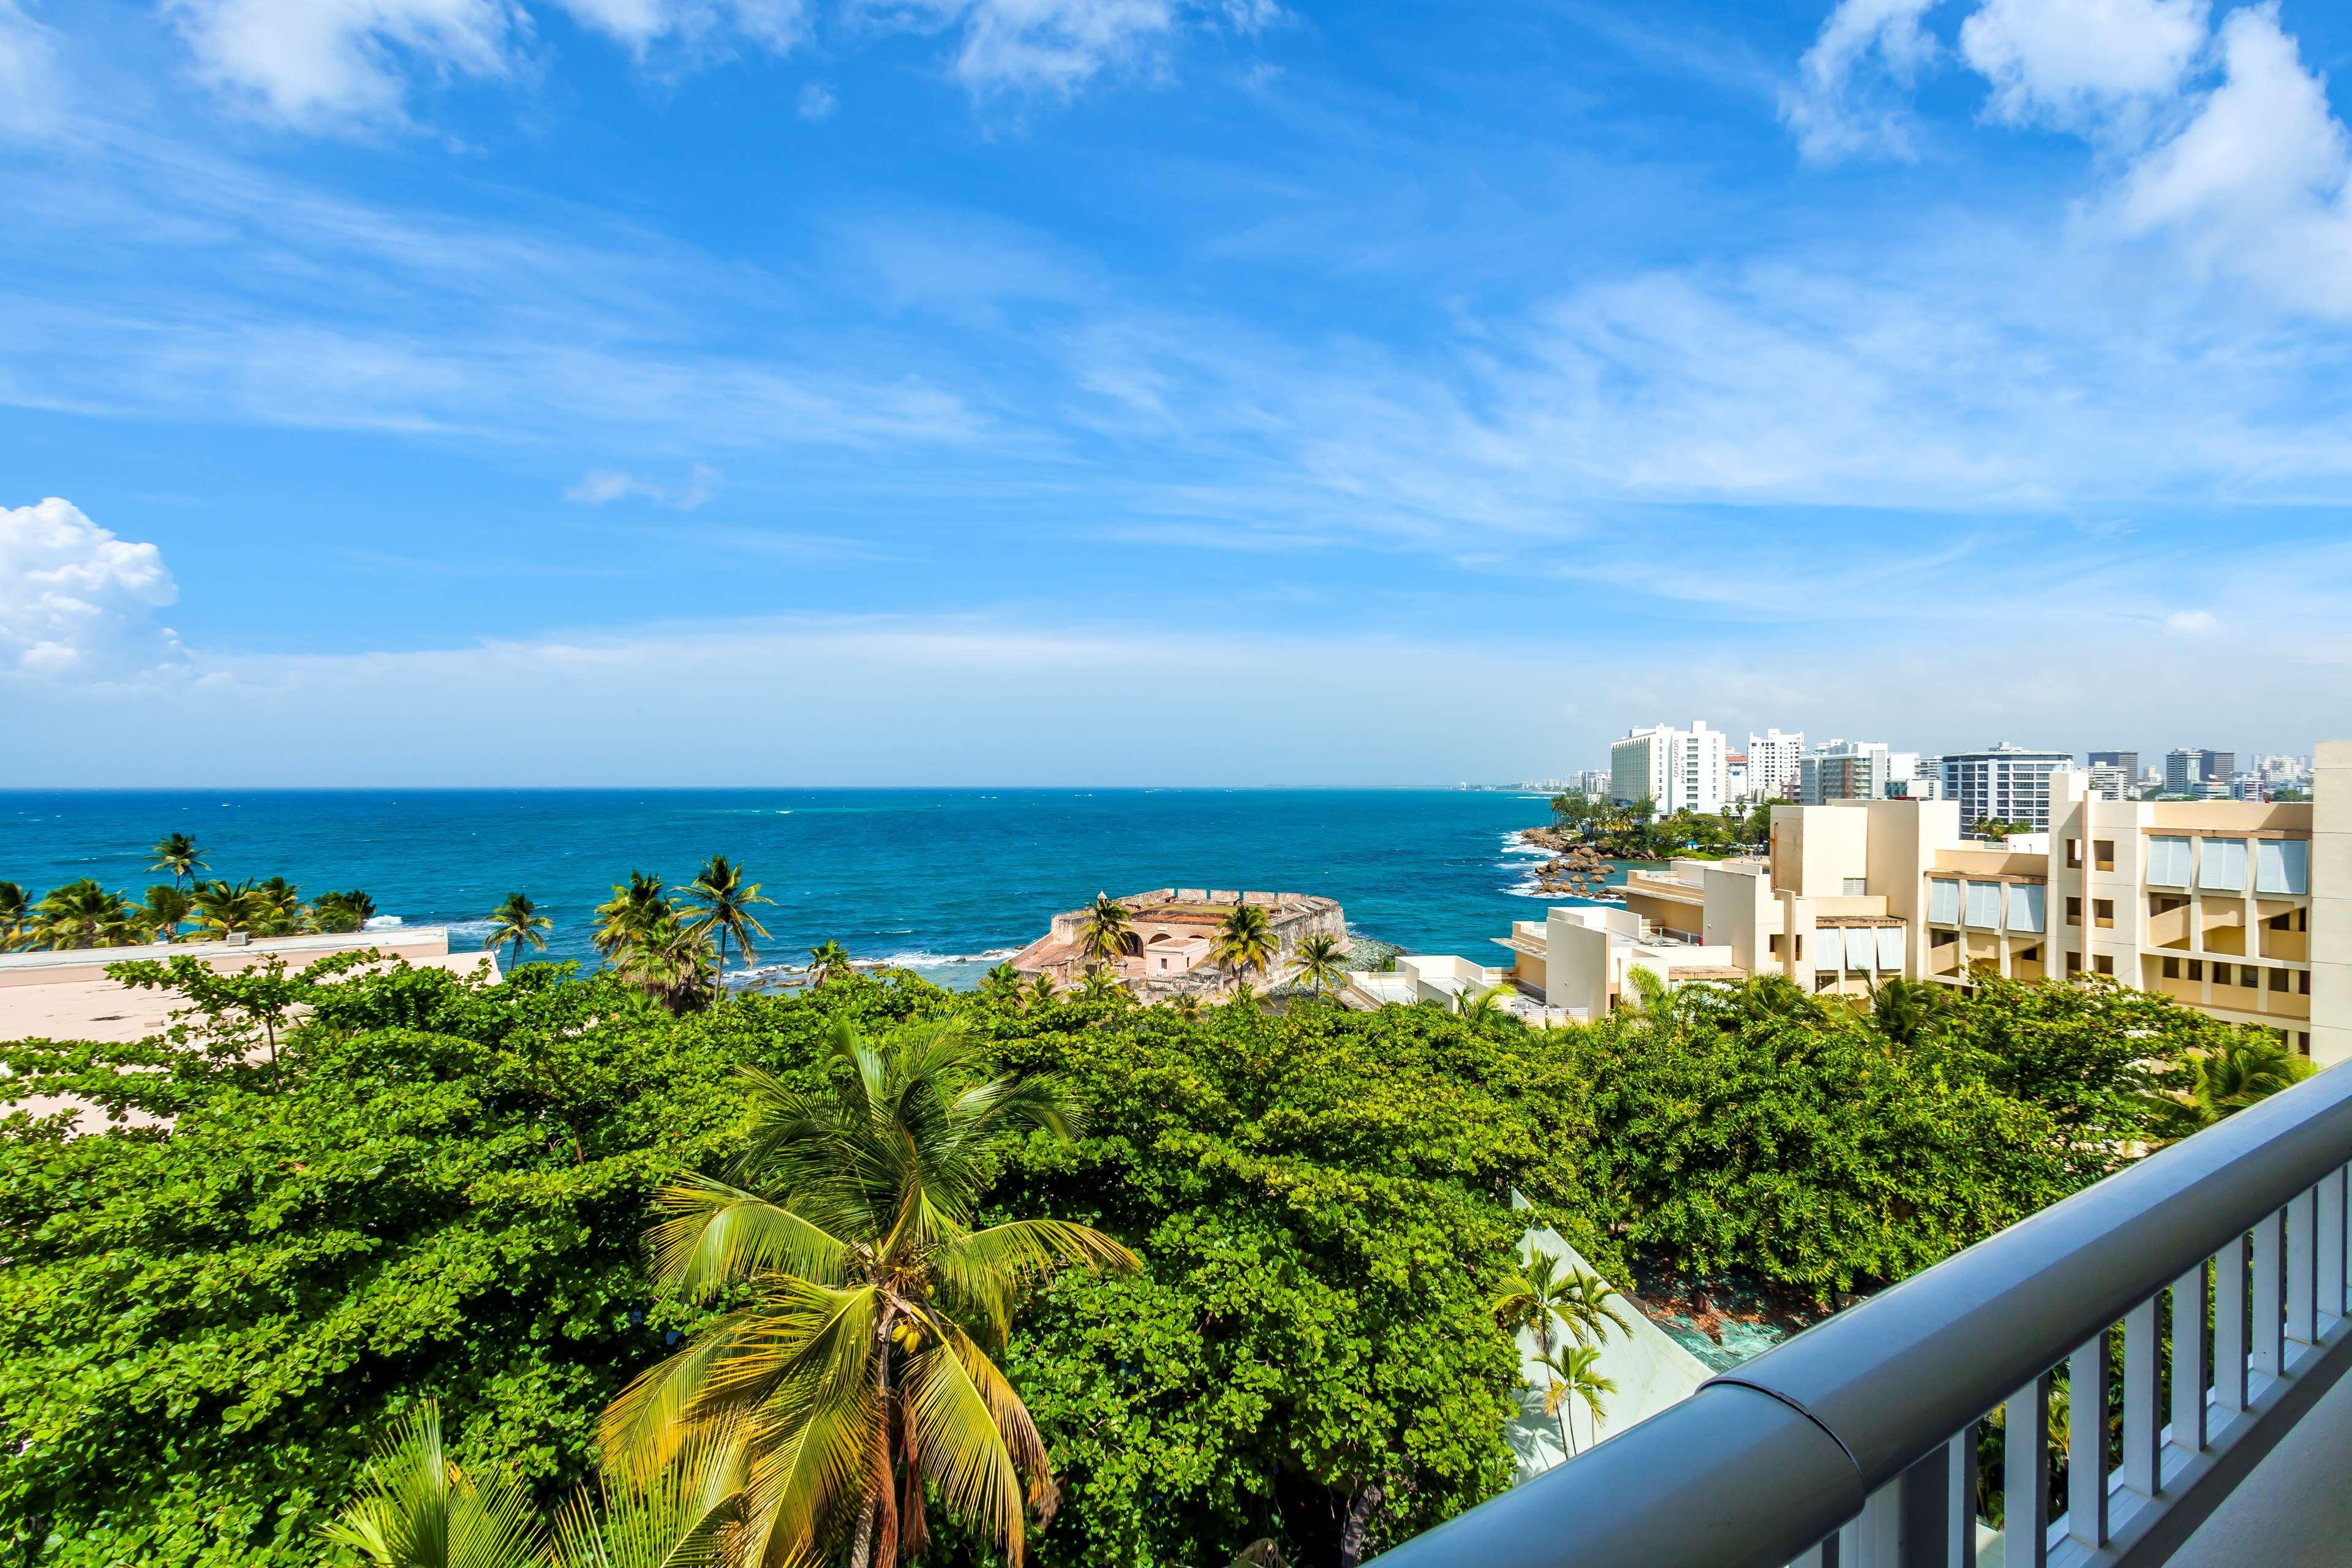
point(2003, 783)
point(1679, 770)
point(2190, 771)
point(1775, 761)
point(2128, 761)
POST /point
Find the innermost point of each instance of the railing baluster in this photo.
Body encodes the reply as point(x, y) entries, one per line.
point(2086, 1442)
point(2025, 1478)
point(2331, 1244)
point(1923, 1501)
point(2266, 1341)
point(2229, 1329)
point(2303, 1268)
point(1960, 1494)
point(2190, 1366)
point(2143, 1371)
point(1874, 1539)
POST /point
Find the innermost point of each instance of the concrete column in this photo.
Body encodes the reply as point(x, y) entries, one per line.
point(2331, 903)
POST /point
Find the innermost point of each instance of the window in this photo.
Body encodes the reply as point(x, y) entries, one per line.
point(1857, 887)
point(2303, 1041)
point(2221, 865)
point(2172, 969)
point(2074, 963)
point(1800, 948)
point(1984, 905)
point(2027, 901)
point(2282, 979)
point(2249, 977)
point(2029, 954)
point(2103, 854)
point(2168, 862)
point(1773, 947)
point(2165, 903)
point(2103, 913)
point(2282, 865)
point(2074, 910)
point(1944, 902)
point(1934, 938)
point(2196, 969)
point(2302, 982)
point(2074, 853)
point(2104, 964)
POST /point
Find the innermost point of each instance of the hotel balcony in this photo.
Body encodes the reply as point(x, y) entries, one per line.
point(1855, 1444)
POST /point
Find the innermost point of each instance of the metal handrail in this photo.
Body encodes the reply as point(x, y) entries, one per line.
point(1760, 1465)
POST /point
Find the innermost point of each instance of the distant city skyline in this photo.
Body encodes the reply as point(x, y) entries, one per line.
point(1161, 392)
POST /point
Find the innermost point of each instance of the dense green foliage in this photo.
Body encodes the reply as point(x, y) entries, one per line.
point(1635, 831)
point(443, 1190)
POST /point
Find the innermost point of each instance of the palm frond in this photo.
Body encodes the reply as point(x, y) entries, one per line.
point(716, 1234)
point(678, 1517)
point(416, 1509)
point(958, 1447)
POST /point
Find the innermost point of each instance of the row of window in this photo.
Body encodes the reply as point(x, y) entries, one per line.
point(2022, 907)
point(2280, 865)
point(2248, 977)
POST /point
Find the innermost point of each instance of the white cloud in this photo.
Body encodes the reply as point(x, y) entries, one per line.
point(815, 101)
point(2193, 623)
point(599, 486)
point(1052, 47)
point(2077, 63)
point(31, 93)
point(325, 64)
point(2258, 184)
point(1840, 105)
point(75, 601)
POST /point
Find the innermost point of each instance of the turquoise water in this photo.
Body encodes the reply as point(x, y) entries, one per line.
point(936, 880)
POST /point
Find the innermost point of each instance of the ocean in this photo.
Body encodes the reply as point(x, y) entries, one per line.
point(942, 881)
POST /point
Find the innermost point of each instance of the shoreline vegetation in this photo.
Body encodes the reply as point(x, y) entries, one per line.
point(1233, 1280)
point(1586, 830)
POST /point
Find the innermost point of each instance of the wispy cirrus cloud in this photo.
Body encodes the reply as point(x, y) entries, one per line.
point(599, 487)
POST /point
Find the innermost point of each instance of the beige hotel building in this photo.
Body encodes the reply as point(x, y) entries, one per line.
point(2242, 911)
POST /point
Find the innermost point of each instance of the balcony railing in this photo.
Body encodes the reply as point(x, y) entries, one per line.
point(1855, 1442)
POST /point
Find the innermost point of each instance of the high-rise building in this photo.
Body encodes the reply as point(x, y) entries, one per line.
point(1594, 781)
point(1847, 770)
point(1679, 770)
point(2003, 783)
point(2186, 768)
point(2128, 761)
point(2110, 783)
point(1775, 762)
point(1734, 776)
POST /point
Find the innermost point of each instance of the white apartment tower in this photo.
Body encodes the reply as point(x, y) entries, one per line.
point(2003, 783)
point(1775, 763)
point(1681, 770)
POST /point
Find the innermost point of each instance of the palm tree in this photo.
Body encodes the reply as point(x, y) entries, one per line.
point(1486, 1010)
point(15, 918)
point(83, 914)
point(726, 906)
point(2244, 1072)
point(1042, 992)
point(1002, 985)
point(629, 914)
point(1246, 941)
point(177, 853)
point(1530, 1301)
point(1587, 1305)
point(415, 1508)
point(166, 907)
point(515, 923)
point(1574, 1374)
point(1905, 1010)
point(1188, 1006)
point(1322, 962)
point(1106, 931)
point(829, 961)
point(671, 961)
point(853, 1359)
point(1101, 986)
point(342, 912)
point(281, 911)
point(224, 909)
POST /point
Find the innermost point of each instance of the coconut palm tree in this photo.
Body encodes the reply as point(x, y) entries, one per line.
point(281, 911)
point(1574, 1371)
point(515, 923)
point(1002, 985)
point(415, 1508)
point(1042, 993)
point(1244, 943)
point(224, 909)
point(829, 961)
point(1485, 1011)
point(1187, 1004)
point(725, 907)
point(84, 914)
point(1905, 1010)
point(2243, 1072)
point(856, 1353)
point(15, 918)
point(166, 907)
point(177, 853)
point(1101, 986)
point(344, 911)
point(1322, 963)
point(1106, 931)
point(632, 911)
point(672, 962)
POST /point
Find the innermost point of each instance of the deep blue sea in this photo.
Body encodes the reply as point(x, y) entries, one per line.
point(940, 881)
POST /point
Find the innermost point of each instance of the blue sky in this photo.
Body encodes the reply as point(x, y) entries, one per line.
point(1145, 391)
